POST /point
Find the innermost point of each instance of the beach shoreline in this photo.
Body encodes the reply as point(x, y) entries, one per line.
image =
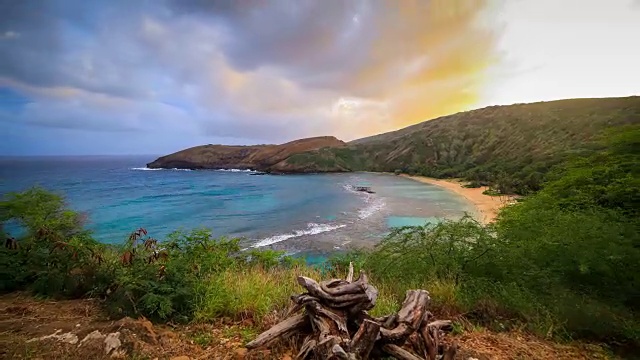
point(487, 206)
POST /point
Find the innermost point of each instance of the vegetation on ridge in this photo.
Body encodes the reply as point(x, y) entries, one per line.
point(512, 147)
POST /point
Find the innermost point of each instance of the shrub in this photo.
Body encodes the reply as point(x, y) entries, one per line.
point(163, 280)
point(473, 184)
point(443, 251)
point(56, 255)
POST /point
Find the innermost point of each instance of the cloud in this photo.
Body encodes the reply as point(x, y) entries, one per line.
point(269, 71)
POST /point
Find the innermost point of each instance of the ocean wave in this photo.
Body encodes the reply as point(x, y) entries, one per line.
point(236, 170)
point(157, 169)
point(144, 169)
point(312, 229)
point(351, 189)
point(373, 205)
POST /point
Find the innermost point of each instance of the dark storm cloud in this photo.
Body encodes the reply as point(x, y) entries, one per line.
point(97, 46)
point(314, 42)
point(29, 37)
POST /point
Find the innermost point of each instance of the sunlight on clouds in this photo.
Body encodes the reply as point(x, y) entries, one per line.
point(418, 60)
point(279, 70)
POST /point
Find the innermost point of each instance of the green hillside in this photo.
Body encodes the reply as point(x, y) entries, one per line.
point(511, 146)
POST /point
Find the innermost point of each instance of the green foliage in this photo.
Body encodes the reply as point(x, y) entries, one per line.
point(56, 255)
point(447, 250)
point(575, 243)
point(338, 263)
point(249, 291)
point(162, 280)
point(269, 259)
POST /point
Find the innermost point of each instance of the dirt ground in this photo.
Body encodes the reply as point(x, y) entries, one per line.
point(77, 329)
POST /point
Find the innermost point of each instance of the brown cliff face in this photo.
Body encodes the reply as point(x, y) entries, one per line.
point(255, 157)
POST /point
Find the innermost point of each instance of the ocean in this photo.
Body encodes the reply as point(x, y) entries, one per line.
point(311, 214)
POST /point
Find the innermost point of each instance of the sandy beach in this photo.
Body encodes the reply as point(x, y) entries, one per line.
point(487, 206)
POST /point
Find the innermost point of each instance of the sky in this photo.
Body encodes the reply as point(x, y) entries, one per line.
point(153, 77)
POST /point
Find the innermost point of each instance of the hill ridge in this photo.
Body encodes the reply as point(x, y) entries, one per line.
point(255, 157)
point(511, 146)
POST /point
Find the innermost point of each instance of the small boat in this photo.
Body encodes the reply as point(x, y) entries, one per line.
point(364, 189)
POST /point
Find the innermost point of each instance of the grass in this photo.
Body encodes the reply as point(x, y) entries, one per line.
point(262, 296)
point(250, 293)
point(259, 297)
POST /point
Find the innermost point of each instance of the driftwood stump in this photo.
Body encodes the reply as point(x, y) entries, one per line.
point(337, 326)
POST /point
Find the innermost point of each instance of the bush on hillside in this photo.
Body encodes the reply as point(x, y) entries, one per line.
point(56, 255)
point(447, 251)
point(172, 279)
point(565, 260)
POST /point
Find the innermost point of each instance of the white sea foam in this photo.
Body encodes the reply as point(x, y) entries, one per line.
point(312, 229)
point(235, 170)
point(145, 169)
point(149, 169)
point(350, 189)
point(373, 203)
point(373, 206)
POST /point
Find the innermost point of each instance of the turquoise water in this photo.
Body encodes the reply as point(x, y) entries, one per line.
point(399, 221)
point(296, 213)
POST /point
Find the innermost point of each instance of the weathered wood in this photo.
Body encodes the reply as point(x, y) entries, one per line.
point(335, 311)
point(397, 334)
point(418, 344)
point(414, 307)
point(339, 353)
point(324, 348)
point(350, 273)
point(316, 290)
point(333, 283)
point(372, 295)
point(354, 300)
point(294, 309)
point(307, 347)
point(287, 326)
point(430, 341)
point(450, 353)
point(409, 317)
point(344, 289)
point(442, 325)
point(338, 317)
point(364, 339)
point(399, 353)
point(390, 322)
